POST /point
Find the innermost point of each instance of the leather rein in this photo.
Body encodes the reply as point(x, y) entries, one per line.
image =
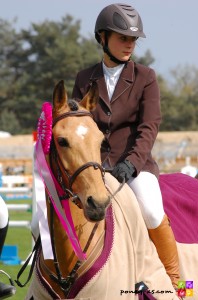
point(66, 283)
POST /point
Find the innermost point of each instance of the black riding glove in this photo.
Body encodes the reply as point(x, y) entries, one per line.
point(123, 170)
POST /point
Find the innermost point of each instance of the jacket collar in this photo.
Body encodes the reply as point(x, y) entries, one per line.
point(127, 76)
point(127, 72)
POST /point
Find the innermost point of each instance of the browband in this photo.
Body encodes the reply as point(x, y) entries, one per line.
point(71, 113)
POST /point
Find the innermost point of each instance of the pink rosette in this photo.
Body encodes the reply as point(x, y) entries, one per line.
point(44, 127)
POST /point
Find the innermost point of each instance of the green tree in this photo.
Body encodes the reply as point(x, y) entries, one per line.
point(147, 59)
point(10, 72)
point(179, 100)
point(54, 51)
point(9, 122)
point(33, 60)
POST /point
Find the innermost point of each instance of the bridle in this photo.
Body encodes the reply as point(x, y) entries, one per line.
point(77, 113)
point(59, 165)
point(66, 283)
point(69, 194)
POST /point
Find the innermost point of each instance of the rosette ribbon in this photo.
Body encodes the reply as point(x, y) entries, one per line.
point(45, 181)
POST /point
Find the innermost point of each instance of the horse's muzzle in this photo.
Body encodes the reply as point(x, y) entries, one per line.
point(95, 211)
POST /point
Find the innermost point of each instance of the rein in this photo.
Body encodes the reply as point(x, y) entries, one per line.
point(67, 282)
point(72, 178)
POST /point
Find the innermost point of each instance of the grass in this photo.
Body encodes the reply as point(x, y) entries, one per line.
point(22, 238)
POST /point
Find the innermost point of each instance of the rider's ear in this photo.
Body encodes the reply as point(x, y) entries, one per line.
point(60, 97)
point(91, 98)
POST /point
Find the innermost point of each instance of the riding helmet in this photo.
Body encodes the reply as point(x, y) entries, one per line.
point(121, 18)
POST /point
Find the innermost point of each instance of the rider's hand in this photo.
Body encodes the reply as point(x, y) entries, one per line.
point(123, 170)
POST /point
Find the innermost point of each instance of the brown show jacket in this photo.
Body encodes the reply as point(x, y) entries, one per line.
point(130, 122)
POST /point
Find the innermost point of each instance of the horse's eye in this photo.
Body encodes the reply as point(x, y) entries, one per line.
point(63, 142)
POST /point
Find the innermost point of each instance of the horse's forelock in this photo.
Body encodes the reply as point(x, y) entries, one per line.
point(73, 105)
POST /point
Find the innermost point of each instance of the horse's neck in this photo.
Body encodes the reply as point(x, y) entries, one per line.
point(65, 254)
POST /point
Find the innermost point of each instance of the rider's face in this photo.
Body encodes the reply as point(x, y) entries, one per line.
point(121, 46)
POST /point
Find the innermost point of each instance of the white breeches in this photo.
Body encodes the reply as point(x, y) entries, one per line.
point(147, 191)
point(3, 214)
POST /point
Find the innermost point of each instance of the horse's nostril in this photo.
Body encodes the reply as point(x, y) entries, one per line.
point(91, 202)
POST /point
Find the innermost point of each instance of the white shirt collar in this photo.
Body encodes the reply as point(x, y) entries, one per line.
point(112, 72)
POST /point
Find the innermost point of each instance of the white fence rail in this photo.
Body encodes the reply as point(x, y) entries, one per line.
point(21, 207)
point(15, 192)
point(20, 224)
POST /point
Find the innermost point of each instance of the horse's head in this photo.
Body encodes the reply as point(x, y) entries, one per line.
point(77, 141)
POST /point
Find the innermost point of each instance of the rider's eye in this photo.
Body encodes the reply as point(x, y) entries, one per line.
point(63, 142)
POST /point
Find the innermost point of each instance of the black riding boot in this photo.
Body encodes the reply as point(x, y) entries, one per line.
point(6, 290)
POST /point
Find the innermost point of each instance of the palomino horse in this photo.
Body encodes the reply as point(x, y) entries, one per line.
point(107, 220)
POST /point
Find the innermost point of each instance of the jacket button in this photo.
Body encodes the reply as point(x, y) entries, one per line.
point(109, 149)
point(107, 131)
point(108, 113)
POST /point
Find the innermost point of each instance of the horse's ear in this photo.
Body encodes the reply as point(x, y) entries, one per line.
point(60, 96)
point(91, 98)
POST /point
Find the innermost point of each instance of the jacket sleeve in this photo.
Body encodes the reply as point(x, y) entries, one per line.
point(149, 119)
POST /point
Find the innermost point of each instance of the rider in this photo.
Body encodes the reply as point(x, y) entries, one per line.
point(6, 290)
point(128, 113)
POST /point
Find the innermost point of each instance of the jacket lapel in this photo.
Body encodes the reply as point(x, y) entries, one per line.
point(124, 82)
point(98, 76)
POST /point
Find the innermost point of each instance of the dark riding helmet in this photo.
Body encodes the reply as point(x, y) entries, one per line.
point(121, 18)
